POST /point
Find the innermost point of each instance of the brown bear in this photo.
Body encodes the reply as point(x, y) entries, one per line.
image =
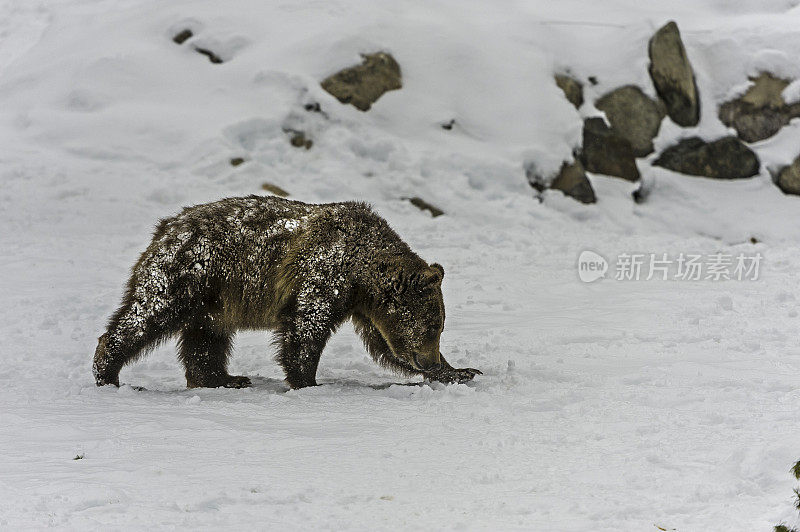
point(270, 263)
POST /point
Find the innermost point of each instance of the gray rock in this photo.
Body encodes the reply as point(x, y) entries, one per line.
point(572, 88)
point(788, 178)
point(725, 158)
point(571, 180)
point(673, 76)
point(761, 111)
point(363, 84)
point(605, 152)
point(633, 116)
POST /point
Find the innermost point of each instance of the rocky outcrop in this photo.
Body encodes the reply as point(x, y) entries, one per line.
point(605, 152)
point(673, 76)
point(572, 88)
point(725, 158)
point(571, 180)
point(761, 111)
point(633, 116)
point(363, 84)
point(788, 178)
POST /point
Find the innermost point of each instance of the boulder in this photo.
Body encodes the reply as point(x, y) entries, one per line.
point(633, 116)
point(363, 84)
point(673, 76)
point(761, 111)
point(605, 152)
point(572, 88)
point(725, 158)
point(788, 178)
point(571, 180)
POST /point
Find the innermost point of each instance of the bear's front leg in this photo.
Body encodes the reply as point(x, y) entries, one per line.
point(304, 331)
point(300, 349)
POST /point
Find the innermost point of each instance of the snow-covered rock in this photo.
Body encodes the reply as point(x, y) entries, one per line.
point(633, 116)
point(606, 152)
point(725, 158)
point(673, 76)
point(760, 112)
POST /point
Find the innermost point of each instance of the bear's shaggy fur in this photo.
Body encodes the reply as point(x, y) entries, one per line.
point(270, 263)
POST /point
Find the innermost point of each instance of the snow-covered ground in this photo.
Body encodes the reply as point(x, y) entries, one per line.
point(615, 405)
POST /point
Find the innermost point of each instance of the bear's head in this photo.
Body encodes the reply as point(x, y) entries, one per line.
point(409, 310)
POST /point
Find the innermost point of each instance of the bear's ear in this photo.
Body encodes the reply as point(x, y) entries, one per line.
point(438, 267)
point(430, 277)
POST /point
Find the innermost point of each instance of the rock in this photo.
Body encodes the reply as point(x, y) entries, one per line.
point(673, 76)
point(725, 158)
point(299, 140)
point(571, 180)
point(761, 111)
point(423, 205)
point(363, 84)
point(633, 116)
point(572, 88)
point(214, 58)
point(788, 178)
point(605, 152)
point(642, 192)
point(274, 189)
point(183, 36)
point(236, 161)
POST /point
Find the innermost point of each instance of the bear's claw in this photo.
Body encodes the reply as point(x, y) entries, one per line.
point(452, 375)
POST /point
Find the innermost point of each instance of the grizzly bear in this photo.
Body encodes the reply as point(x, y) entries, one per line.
point(298, 269)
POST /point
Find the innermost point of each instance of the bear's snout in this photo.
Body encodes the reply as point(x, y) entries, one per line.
point(427, 363)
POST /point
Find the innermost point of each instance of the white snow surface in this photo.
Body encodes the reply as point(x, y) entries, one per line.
point(617, 405)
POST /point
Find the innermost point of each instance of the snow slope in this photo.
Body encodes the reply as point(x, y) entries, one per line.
point(617, 405)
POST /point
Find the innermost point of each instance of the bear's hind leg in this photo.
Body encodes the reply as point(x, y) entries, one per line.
point(204, 349)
